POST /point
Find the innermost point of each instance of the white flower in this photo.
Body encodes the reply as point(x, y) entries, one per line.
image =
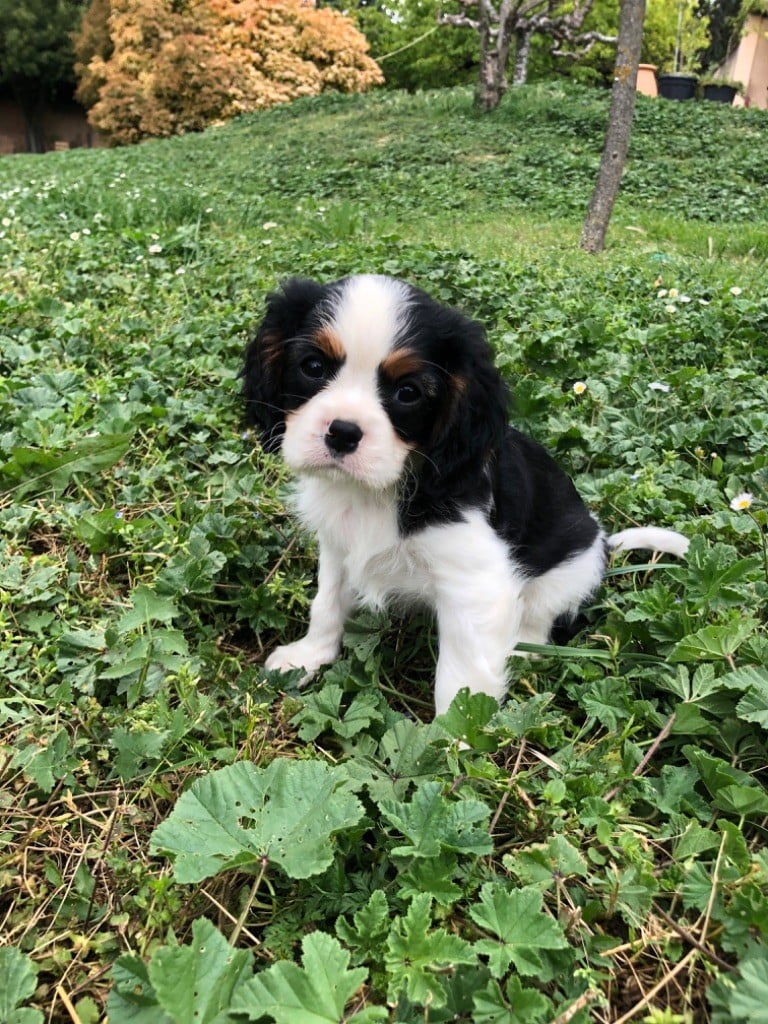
point(7, 222)
point(579, 387)
point(673, 293)
point(741, 501)
point(154, 249)
point(662, 294)
point(656, 385)
point(683, 298)
point(269, 225)
point(735, 290)
point(74, 235)
point(670, 309)
point(179, 271)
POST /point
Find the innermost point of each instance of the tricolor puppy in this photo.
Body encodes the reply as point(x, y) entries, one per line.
point(388, 408)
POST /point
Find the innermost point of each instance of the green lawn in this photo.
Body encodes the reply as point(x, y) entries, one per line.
point(599, 846)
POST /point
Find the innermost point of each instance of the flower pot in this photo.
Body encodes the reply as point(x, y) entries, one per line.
point(646, 80)
point(677, 87)
point(719, 92)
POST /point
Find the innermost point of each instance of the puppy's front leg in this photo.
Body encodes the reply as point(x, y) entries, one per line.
point(330, 609)
point(479, 608)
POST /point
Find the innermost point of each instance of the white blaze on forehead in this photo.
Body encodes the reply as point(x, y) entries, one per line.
point(371, 314)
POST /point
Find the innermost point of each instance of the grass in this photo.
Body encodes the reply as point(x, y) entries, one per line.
point(598, 851)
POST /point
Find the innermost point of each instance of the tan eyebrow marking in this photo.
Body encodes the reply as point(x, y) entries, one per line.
point(400, 363)
point(328, 341)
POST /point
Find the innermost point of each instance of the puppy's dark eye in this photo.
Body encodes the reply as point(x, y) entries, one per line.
point(408, 393)
point(314, 367)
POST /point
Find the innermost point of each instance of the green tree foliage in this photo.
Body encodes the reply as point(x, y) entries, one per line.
point(413, 50)
point(36, 55)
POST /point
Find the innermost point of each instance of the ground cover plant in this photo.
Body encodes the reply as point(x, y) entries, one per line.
point(185, 838)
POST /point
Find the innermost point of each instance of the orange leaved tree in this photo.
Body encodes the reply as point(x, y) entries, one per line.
point(160, 67)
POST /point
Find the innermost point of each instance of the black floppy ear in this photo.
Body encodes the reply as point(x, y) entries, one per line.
point(262, 370)
point(475, 413)
point(470, 420)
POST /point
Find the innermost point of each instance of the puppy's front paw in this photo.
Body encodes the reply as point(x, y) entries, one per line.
point(304, 654)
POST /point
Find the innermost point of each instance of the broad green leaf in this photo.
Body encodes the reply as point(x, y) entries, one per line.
point(416, 956)
point(714, 642)
point(732, 790)
point(315, 993)
point(197, 982)
point(753, 706)
point(521, 1006)
point(543, 863)
point(467, 718)
point(234, 817)
point(409, 753)
point(132, 1000)
point(433, 821)
point(370, 924)
point(18, 980)
point(147, 607)
point(432, 875)
point(522, 928)
point(743, 1000)
point(33, 471)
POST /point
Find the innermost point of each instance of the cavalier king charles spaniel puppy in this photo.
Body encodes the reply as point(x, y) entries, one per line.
point(388, 408)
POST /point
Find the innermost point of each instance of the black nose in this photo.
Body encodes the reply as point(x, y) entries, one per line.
point(343, 437)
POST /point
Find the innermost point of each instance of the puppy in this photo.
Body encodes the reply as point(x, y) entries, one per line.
point(388, 408)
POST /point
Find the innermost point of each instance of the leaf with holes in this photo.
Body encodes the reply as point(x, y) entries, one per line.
point(238, 815)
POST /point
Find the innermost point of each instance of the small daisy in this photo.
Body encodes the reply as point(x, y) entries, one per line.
point(74, 235)
point(673, 293)
point(662, 294)
point(579, 387)
point(699, 452)
point(741, 502)
point(154, 249)
point(670, 309)
point(735, 290)
point(684, 298)
point(269, 225)
point(657, 385)
point(179, 271)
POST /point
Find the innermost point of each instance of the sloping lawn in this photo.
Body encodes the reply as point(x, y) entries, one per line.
point(184, 838)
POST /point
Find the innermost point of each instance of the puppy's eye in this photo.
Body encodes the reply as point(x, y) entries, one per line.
point(408, 393)
point(313, 367)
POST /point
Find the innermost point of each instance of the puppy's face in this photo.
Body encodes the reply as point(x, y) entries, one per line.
point(354, 377)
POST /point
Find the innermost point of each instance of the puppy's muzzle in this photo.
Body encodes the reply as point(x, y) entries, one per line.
point(343, 437)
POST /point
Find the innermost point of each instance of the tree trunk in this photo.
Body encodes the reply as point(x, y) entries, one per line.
point(29, 97)
point(522, 52)
point(617, 135)
point(490, 86)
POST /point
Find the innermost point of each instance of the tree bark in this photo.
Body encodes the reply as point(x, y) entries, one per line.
point(522, 52)
point(623, 95)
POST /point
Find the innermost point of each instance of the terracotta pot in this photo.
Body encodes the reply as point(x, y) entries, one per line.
point(646, 80)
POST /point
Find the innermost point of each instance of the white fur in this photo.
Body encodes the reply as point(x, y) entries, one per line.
point(372, 313)
point(652, 538)
point(462, 571)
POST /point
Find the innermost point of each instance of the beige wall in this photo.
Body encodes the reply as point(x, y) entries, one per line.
point(749, 63)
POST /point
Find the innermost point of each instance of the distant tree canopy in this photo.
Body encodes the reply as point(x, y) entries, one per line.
point(36, 54)
point(160, 67)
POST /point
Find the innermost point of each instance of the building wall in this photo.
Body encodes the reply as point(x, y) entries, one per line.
point(749, 63)
point(64, 125)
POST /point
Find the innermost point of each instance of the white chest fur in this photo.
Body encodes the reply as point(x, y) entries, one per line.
point(360, 527)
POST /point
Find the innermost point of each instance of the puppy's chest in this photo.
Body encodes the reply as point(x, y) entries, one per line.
point(380, 564)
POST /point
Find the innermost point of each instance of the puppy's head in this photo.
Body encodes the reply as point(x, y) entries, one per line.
point(368, 377)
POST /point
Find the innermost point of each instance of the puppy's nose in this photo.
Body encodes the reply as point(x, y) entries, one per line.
point(343, 437)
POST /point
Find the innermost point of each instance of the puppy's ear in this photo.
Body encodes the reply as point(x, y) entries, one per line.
point(469, 424)
point(474, 416)
point(262, 370)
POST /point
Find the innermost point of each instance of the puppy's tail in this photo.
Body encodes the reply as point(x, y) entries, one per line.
point(652, 538)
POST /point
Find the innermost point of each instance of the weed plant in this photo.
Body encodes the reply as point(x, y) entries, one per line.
point(185, 838)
